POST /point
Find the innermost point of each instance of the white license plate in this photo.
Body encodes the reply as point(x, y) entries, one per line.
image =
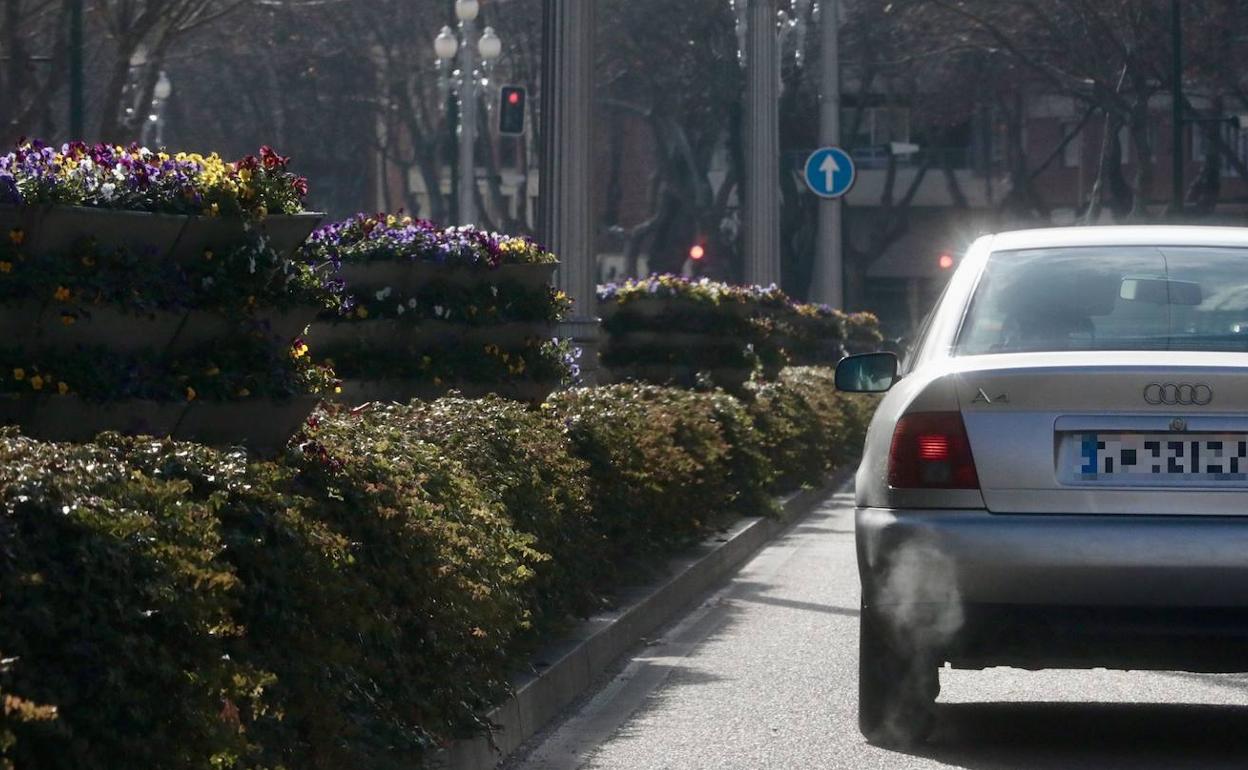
point(1152, 458)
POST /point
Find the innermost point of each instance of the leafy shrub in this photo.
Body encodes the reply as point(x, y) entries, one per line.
point(445, 571)
point(119, 611)
point(808, 427)
point(661, 468)
point(523, 459)
point(363, 599)
point(670, 330)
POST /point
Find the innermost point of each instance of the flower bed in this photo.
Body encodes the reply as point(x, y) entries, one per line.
point(668, 329)
point(429, 310)
point(363, 598)
point(156, 293)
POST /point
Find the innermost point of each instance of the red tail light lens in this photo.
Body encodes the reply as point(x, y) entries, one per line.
point(931, 451)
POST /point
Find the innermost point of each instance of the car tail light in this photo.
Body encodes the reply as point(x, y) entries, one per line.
point(931, 451)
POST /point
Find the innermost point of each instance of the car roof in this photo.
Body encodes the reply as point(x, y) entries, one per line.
point(1136, 235)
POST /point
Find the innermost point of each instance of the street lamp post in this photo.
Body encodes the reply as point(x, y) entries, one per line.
point(1176, 108)
point(445, 46)
point(567, 215)
point(77, 99)
point(827, 285)
point(156, 118)
point(762, 141)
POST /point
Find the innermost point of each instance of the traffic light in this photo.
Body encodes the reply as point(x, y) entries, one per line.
point(946, 261)
point(512, 103)
point(697, 252)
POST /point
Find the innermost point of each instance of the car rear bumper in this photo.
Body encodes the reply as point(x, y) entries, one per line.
point(1041, 591)
point(1062, 560)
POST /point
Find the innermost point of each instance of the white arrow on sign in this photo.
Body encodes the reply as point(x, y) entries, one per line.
point(830, 169)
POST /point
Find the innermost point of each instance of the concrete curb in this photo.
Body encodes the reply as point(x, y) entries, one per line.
point(575, 662)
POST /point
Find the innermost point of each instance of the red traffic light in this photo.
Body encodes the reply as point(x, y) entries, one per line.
point(511, 111)
point(697, 252)
point(946, 261)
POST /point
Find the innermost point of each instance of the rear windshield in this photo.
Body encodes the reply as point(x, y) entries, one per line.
point(1109, 298)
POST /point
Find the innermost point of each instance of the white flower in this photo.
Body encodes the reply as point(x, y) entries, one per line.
point(119, 173)
point(86, 164)
point(438, 310)
point(412, 303)
point(108, 190)
point(384, 294)
point(401, 309)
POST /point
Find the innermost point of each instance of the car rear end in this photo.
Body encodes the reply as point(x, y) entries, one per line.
point(1061, 477)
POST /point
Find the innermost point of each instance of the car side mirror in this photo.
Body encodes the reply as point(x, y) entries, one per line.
point(867, 373)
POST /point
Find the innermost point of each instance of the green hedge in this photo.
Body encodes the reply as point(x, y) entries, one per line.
point(363, 599)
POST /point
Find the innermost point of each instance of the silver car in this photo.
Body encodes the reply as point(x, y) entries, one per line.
point(1058, 474)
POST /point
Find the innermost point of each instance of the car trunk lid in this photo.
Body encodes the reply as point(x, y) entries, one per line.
point(1033, 421)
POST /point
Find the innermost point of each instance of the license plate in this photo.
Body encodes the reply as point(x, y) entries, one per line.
point(1151, 458)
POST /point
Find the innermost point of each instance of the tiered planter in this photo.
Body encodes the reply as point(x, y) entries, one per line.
point(414, 336)
point(675, 341)
point(673, 331)
point(159, 237)
point(43, 329)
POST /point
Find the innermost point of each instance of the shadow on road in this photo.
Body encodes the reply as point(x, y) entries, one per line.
point(996, 736)
point(759, 593)
point(816, 529)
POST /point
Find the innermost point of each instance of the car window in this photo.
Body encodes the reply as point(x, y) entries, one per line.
point(911, 354)
point(1109, 298)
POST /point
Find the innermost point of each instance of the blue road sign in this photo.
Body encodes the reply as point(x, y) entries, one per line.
point(830, 172)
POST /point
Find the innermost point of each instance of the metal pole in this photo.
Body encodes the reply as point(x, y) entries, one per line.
point(762, 146)
point(827, 285)
point(1176, 30)
point(77, 100)
point(467, 124)
point(566, 212)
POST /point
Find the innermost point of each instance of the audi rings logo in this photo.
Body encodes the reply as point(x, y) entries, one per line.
point(1181, 394)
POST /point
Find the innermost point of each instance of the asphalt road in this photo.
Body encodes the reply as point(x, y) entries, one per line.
point(763, 675)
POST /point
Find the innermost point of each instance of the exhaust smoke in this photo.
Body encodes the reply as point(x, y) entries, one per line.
point(920, 607)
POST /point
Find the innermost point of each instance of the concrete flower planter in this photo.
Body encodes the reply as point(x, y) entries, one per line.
point(407, 276)
point(18, 320)
point(27, 219)
point(284, 233)
point(681, 340)
point(203, 327)
point(104, 326)
point(393, 334)
point(261, 424)
point(148, 235)
point(156, 236)
point(70, 418)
